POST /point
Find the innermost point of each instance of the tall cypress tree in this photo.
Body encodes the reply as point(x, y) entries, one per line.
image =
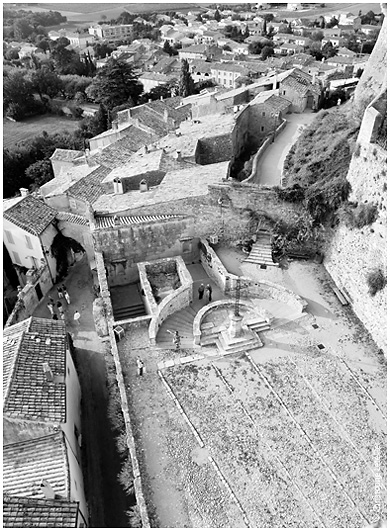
point(186, 83)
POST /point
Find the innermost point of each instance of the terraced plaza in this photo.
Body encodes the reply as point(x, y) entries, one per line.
point(292, 434)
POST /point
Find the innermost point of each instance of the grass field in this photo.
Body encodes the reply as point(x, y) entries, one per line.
point(14, 132)
point(330, 9)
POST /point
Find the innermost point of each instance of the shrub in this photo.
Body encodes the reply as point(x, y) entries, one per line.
point(292, 194)
point(376, 281)
point(358, 216)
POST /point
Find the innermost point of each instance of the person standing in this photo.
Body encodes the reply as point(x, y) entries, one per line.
point(55, 317)
point(50, 305)
point(76, 317)
point(66, 294)
point(140, 367)
point(59, 291)
point(61, 312)
point(209, 290)
point(201, 291)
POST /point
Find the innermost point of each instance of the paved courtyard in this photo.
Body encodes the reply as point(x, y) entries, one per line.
point(291, 435)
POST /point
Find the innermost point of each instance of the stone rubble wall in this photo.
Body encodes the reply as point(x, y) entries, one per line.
point(138, 488)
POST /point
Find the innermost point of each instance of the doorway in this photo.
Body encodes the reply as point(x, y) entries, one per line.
point(38, 291)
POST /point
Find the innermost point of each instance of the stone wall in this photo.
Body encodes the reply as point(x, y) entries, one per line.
point(374, 77)
point(28, 298)
point(249, 288)
point(353, 253)
point(215, 149)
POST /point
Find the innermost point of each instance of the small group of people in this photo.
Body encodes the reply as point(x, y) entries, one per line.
point(55, 307)
point(208, 289)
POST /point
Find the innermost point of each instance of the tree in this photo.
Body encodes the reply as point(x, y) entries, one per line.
point(17, 94)
point(333, 22)
point(199, 18)
point(317, 36)
point(186, 83)
point(369, 18)
point(46, 82)
point(114, 84)
point(217, 15)
point(167, 48)
point(39, 173)
point(328, 50)
point(268, 17)
point(43, 44)
point(102, 49)
point(22, 29)
point(266, 52)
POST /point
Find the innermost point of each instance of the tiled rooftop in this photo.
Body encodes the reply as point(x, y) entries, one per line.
point(72, 218)
point(176, 185)
point(27, 463)
point(138, 164)
point(30, 214)
point(119, 152)
point(103, 222)
point(89, 188)
point(30, 512)
point(277, 103)
point(65, 154)
point(26, 392)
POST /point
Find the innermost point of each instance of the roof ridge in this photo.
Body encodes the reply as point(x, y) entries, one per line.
point(13, 369)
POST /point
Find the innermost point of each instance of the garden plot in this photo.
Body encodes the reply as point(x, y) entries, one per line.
point(337, 452)
point(348, 403)
point(293, 450)
point(261, 486)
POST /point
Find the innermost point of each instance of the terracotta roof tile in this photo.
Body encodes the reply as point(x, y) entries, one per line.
point(27, 394)
point(89, 188)
point(29, 512)
point(30, 214)
point(65, 154)
point(27, 463)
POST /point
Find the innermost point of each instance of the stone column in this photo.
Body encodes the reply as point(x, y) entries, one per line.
point(235, 328)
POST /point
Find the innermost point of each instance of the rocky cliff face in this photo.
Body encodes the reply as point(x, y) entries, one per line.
point(374, 78)
point(355, 253)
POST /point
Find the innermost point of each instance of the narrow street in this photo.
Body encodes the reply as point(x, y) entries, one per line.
point(101, 462)
point(270, 167)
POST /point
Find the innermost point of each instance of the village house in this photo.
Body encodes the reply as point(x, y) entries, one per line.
point(20, 511)
point(301, 89)
point(112, 33)
point(335, 41)
point(200, 51)
point(225, 74)
point(153, 79)
point(28, 232)
point(288, 48)
point(173, 37)
point(80, 40)
point(41, 414)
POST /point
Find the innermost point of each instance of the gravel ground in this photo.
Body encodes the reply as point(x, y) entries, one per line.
point(304, 457)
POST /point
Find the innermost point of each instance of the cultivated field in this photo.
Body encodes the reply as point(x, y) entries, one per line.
point(14, 132)
point(329, 9)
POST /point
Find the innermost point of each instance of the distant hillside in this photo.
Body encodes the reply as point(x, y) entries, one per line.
point(93, 12)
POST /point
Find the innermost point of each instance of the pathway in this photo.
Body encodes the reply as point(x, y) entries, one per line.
point(270, 167)
point(106, 499)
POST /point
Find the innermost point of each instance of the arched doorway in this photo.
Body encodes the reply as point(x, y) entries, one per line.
point(66, 251)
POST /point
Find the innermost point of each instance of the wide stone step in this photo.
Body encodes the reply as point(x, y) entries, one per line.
point(126, 312)
point(237, 349)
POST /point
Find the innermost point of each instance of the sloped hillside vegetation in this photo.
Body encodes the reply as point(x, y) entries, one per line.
point(317, 165)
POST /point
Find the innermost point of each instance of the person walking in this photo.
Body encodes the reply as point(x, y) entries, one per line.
point(62, 313)
point(55, 317)
point(50, 305)
point(176, 338)
point(66, 294)
point(140, 367)
point(76, 317)
point(209, 290)
point(201, 291)
point(59, 291)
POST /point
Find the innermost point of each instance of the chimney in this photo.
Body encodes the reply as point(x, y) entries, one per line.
point(143, 186)
point(178, 156)
point(47, 490)
point(166, 115)
point(162, 98)
point(145, 150)
point(24, 192)
point(313, 78)
point(47, 372)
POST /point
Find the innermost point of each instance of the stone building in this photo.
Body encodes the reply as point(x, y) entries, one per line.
point(41, 414)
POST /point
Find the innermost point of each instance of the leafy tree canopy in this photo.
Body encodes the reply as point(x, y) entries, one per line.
point(114, 84)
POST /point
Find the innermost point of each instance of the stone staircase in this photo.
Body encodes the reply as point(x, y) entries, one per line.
point(129, 312)
point(261, 252)
point(226, 345)
point(182, 321)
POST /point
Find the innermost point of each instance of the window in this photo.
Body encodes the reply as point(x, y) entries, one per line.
point(284, 93)
point(263, 113)
point(16, 258)
point(28, 242)
point(9, 236)
point(262, 128)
